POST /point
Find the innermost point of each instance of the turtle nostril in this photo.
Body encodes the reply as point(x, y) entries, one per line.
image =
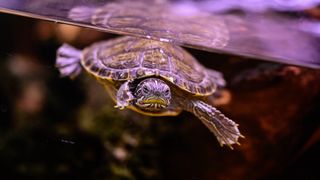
point(157, 93)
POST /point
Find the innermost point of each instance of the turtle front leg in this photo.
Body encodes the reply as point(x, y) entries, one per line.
point(124, 96)
point(68, 61)
point(223, 128)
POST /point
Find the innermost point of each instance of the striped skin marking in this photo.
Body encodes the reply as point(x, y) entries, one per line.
point(166, 112)
point(152, 94)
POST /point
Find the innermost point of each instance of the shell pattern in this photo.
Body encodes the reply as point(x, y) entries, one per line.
point(127, 58)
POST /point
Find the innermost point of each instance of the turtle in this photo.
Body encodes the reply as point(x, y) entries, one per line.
point(153, 78)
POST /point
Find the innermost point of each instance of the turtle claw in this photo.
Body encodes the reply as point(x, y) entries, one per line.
point(230, 146)
point(226, 130)
point(119, 107)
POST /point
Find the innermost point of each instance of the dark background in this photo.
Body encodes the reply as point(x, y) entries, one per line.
point(57, 128)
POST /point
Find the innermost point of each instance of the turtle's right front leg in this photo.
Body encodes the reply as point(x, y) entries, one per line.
point(68, 61)
point(124, 96)
point(224, 129)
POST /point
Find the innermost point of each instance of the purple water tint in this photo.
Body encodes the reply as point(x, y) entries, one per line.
point(256, 28)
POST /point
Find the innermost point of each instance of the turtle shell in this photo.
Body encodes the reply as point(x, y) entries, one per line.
point(128, 58)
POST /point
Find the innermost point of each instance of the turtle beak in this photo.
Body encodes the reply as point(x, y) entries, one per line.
point(156, 100)
point(154, 103)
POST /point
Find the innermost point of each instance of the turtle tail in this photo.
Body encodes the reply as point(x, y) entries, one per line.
point(81, 13)
point(68, 61)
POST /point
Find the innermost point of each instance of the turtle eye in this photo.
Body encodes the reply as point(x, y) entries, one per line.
point(167, 92)
point(145, 90)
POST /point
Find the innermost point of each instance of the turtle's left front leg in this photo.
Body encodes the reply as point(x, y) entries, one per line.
point(224, 129)
point(124, 96)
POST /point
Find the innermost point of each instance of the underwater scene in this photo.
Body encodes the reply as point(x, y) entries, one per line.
point(162, 89)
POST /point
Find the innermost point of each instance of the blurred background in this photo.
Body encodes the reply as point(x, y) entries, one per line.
point(57, 128)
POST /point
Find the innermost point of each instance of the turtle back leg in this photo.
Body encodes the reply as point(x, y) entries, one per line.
point(124, 96)
point(223, 128)
point(68, 61)
point(217, 77)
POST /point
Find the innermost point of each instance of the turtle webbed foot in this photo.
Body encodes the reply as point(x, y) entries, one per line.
point(124, 96)
point(68, 61)
point(224, 129)
point(217, 77)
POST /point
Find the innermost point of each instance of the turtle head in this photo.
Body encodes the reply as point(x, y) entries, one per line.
point(152, 94)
